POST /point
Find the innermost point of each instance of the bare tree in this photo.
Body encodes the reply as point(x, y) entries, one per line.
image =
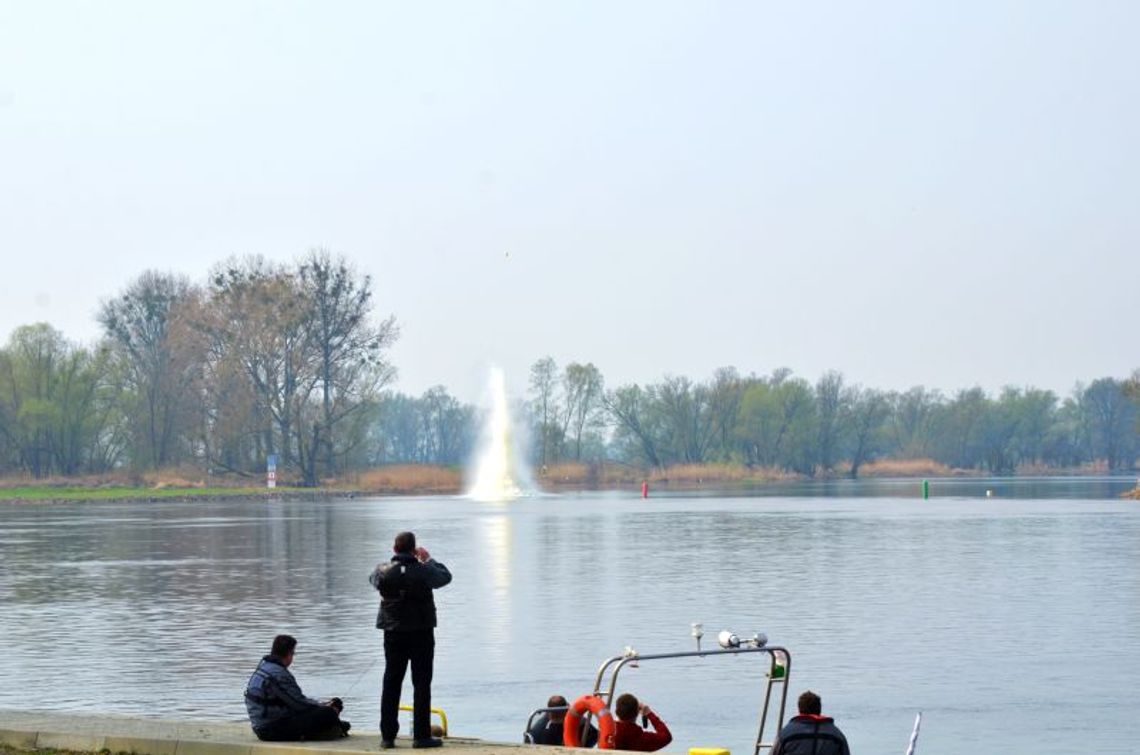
point(629, 410)
point(139, 323)
point(582, 386)
point(350, 349)
point(543, 383)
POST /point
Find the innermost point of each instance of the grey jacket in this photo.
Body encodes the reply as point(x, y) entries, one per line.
point(405, 585)
point(272, 694)
point(811, 735)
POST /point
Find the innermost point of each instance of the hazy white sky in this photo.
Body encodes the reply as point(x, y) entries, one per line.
point(913, 193)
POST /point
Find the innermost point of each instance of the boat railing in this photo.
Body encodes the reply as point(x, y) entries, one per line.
point(779, 670)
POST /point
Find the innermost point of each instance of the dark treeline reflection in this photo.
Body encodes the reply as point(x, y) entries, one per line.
point(288, 360)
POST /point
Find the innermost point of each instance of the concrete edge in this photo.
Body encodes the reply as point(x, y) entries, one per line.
point(142, 745)
point(56, 740)
point(32, 740)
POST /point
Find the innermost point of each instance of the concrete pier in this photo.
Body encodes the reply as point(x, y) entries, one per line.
point(154, 736)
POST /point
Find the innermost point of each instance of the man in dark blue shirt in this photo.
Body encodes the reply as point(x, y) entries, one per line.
point(279, 711)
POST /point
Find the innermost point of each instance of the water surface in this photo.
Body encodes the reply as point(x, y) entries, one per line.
point(1010, 622)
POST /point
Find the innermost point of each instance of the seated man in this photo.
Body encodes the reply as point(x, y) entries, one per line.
point(547, 730)
point(810, 732)
point(279, 711)
point(630, 736)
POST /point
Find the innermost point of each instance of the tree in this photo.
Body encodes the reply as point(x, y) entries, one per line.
point(687, 419)
point(912, 421)
point(350, 349)
point(628, 408)
point(158, 367)
point(543, 383)
point(56, 404)
point(725, 396)
point(777, 423)
point(1111, 419)
point(869, 411)
point(583, 387)
point(832, 408)
point(255, 321)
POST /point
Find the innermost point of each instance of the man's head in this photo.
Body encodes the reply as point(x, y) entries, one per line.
point(810, 704)
point(555, 701)
point(283, 647)
point(405, 543)
point(626, 707)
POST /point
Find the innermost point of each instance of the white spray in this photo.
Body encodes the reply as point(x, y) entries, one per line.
point(499, 471)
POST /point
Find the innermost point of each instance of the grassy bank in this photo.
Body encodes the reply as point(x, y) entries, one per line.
point(10, 750)
point(114, 493)
point(191, 485)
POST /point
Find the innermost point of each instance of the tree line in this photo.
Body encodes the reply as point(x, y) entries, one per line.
point(782, 421)
point(289, 360)
point(261, 359)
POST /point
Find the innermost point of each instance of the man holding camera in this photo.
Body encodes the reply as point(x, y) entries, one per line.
point(407, 616)
point(629, 736)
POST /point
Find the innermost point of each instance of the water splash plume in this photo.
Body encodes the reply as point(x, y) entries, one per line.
point(500, 474)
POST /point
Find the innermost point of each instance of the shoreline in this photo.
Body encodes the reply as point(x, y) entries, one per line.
point(442, 481)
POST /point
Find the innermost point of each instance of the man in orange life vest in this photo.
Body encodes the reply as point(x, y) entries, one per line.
point(630, 736)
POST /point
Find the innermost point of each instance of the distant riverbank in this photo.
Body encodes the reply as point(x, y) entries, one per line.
point(192, 485)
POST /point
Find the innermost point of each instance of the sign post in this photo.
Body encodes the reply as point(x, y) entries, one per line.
point(271, 471)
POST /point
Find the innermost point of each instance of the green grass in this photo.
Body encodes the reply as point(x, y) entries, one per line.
point(52, 493)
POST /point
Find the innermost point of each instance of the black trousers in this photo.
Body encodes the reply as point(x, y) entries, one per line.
point(400, 649)
point(319, 722)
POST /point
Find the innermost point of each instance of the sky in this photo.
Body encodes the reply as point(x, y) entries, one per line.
point(938, 194)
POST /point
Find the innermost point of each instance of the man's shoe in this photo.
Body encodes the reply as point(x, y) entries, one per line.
point(433, 742)
point(387, 744)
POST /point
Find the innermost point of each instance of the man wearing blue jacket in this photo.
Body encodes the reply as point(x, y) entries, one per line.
point(407, 616)
point(279, 711)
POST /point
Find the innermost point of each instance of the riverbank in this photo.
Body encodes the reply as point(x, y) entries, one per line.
point(422, 480)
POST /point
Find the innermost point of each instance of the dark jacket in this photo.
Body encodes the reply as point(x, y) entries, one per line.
point(547, 732)
point(809, 734)
point(405, 585)
point(272, 694)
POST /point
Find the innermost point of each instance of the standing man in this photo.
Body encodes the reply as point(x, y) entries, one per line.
point(811, 732)
point(407, 616)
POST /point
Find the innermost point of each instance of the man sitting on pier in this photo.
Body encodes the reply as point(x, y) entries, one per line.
point(279, 711)
point(810, 732)
point(630, 736)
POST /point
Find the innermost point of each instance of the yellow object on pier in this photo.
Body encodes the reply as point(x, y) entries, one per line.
point(437, 711)
point(708, 751)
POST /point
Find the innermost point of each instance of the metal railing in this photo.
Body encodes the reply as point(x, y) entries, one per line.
point(779, 670)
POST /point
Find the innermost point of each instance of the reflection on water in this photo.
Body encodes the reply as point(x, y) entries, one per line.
point(1003, 620)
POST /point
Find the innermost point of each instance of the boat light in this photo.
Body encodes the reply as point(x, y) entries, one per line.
point(728, 640)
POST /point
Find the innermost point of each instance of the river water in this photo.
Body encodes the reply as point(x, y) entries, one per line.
point(1011, 622)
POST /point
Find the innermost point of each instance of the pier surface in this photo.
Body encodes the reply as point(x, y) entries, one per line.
point(155, 736)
